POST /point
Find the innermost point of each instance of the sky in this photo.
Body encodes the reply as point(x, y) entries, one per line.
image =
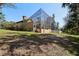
point(28, 9)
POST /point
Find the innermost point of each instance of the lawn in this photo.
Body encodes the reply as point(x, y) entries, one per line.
point(73, 46)
point(4, 33)
point(49, 44)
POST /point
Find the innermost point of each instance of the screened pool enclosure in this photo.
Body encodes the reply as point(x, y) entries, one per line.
point(41, 21)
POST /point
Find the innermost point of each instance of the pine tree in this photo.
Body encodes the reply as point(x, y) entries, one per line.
point(72, 24)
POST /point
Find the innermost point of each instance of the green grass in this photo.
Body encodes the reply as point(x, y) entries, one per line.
point(11, 33)
point(64, 35)
point(74, 48)
point(4, 33)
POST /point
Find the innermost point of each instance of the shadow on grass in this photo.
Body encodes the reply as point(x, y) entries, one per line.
point(74, 48)
point(16, 42)
point(69, 43)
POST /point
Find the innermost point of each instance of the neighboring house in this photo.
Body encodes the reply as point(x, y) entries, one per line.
point(25, 24)
point(40, 22)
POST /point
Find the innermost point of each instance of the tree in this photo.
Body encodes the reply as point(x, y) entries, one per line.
point(1, 19)
point(57, 26)
point(2, 5)
point(72, 23)
point(53, 22)
point(8, 25)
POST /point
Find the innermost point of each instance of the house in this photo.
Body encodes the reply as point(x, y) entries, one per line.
point(25, 24)
point(40, 21)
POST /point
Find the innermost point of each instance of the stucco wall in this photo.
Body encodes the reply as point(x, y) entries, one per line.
point(46, 30)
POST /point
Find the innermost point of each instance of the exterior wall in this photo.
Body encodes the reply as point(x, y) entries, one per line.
point(29, 26)
point(46, 30)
